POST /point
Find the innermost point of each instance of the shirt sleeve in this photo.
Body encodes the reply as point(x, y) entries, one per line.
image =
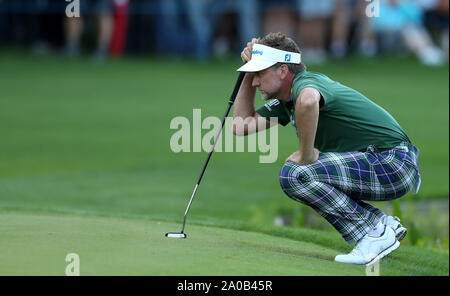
point(324, 92)
point(274, 108)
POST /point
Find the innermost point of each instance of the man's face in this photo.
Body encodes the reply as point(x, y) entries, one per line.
point(268, 82)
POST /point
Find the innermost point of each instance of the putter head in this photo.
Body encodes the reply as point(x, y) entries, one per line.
point(176, 235)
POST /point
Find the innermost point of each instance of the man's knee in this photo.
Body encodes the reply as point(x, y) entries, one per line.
point(293, 179)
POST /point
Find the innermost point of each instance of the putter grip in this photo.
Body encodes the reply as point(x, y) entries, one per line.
point(237, 86)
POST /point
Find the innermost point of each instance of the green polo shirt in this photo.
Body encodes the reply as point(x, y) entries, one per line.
point(348, 121)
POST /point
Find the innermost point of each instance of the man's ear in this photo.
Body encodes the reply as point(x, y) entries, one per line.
point(284, 70)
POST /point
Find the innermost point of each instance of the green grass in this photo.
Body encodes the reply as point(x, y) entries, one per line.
point(37, 244)
point(92, 142)
point(112, 246)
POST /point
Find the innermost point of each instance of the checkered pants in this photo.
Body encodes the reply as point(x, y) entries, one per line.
point(337, 183)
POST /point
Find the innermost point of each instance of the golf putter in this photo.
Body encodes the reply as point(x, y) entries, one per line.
point(181, 234)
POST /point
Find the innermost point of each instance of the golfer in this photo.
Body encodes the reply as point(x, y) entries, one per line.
point(350, 150)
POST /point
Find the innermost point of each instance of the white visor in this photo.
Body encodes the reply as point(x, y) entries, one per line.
point(264, 57)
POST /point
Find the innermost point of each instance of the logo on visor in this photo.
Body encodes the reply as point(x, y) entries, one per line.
point(287, 57)
point(257, 52)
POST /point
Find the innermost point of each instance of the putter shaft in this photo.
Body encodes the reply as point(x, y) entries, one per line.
point(230, 104)
point(188, 207)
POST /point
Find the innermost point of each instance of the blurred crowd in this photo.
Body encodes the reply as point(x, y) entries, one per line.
point(324, 29)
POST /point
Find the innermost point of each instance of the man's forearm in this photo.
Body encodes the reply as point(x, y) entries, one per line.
point(244, 105)
point(307, 117)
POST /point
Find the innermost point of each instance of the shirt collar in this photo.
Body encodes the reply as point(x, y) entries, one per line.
point(291, 93)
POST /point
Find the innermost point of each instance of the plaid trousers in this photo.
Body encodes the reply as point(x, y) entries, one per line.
point(337, 183)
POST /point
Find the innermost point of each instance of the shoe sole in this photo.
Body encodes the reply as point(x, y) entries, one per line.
point(384, 253)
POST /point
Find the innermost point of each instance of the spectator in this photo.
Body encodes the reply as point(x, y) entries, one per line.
point(403, 20)
point(312, 28)
point(102, 10)
point(203, 17)
point(348, 13)
point(340, 28)
point(367, 43)
point(278, 16)
point(119, 28)
point(201, 26)
point(171, 35)
point(436, 20)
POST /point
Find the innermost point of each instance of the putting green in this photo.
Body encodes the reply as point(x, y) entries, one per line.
point(38, 243)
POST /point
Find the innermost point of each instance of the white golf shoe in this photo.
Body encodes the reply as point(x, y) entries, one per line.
point(394, 223)
point(371, 249)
